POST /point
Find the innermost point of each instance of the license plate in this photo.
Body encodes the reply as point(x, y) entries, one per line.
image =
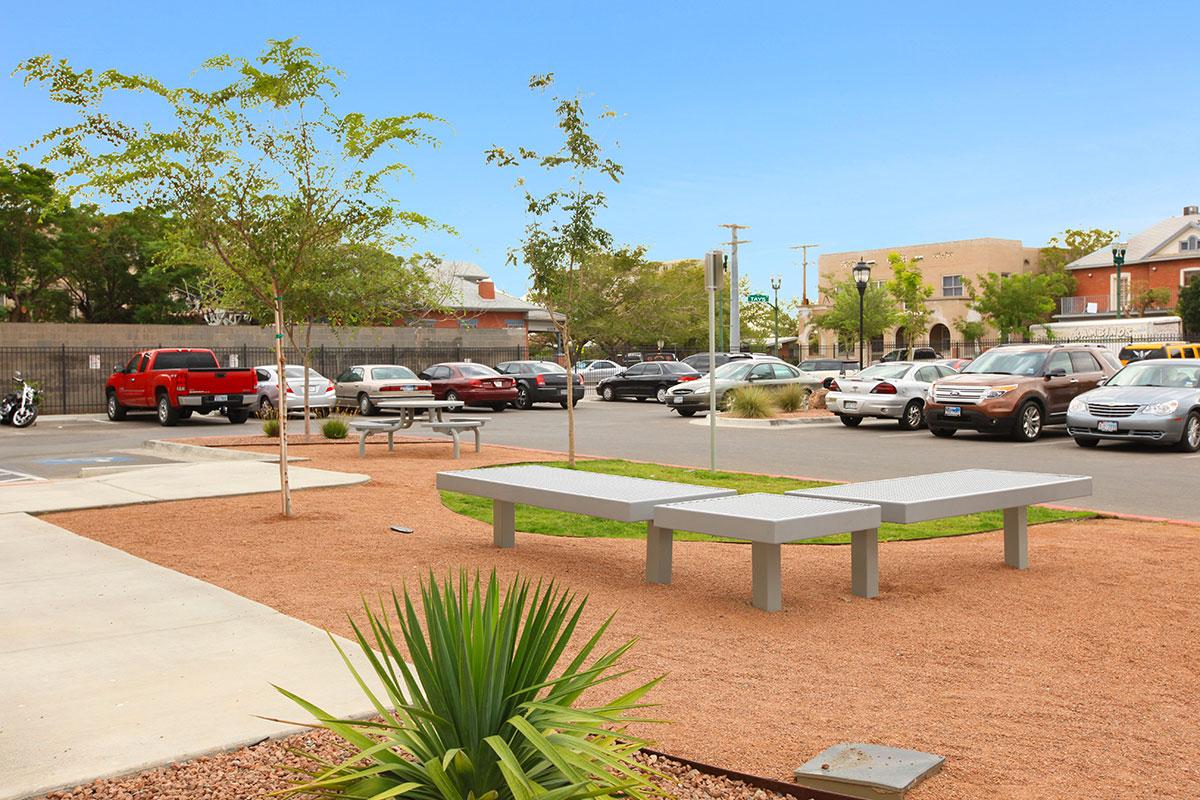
point(677, 400)
point(849, 405)
point(217, 398)
point(1107, 426)
point(562, 391)
point(953, 411)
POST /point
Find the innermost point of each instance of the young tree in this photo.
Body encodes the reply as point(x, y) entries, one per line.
point(263, 175)
point(563, 233)
point(972, 331)
point(1189, 307)
point(1143, 297)
point(1073, 244)
point(1014, 303)
point(879, 311)
point(910, 290)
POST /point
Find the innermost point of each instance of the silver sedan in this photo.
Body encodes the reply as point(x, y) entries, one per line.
point(1156, 401)
point(321, 396)
point(895, 390)
point(371, 387)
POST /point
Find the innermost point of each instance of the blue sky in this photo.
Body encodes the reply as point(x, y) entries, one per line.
point(859, 126)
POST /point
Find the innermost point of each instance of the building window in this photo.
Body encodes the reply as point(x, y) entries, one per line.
point(424, 322)
point(952, 286)
point(514, 323)
point(468, 323)
point(1190, 243)
point(1186, 276)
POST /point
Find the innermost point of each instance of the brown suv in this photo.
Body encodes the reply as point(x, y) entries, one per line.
point(1017, 389)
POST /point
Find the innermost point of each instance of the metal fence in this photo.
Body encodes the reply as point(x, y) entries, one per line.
point(72, 378)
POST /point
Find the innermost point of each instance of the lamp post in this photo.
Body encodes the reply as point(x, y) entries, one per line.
point(862, 277)
point(1118, 251)
point(776, 282)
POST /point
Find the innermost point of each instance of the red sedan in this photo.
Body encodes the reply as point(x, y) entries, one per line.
point(474, 384)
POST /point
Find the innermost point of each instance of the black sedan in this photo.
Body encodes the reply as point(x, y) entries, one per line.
point(647, 379)
point(540, 382)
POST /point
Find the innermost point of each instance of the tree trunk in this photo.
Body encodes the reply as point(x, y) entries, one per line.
point(307, 364)
point(285, 494)
point(566, 334)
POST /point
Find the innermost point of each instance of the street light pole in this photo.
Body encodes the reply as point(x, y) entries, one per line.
point(862, 278)
point(776, 282)
point(735, 317)
point(804, 270)
point(1118, 253)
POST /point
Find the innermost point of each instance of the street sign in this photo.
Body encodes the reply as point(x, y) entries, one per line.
point(758, 298)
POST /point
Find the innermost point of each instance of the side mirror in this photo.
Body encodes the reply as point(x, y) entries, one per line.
point(118, 367)
point(1102, 381)
point(1056, 373)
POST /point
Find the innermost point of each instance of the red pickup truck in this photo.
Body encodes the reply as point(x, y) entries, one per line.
point(176, 383)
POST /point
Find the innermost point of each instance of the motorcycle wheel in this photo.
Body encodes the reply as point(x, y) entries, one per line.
point(24, 417)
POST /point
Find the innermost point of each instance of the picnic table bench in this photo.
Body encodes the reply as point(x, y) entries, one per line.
point(919, 498)
point(595, 494)
point(454, 427)
point(365, 428)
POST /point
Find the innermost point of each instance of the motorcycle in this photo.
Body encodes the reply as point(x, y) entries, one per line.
point(20, 408)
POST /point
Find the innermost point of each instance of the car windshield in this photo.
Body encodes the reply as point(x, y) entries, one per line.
point(476, 371)
point(185, 361)
point(392, 373)
point(677, 367)
point(884, 371)
point(1158, 374)
point(549, 366)
point(734, 370)
point(808, 366)
point(584, 364)
point(298, 372)
point(1007, 362)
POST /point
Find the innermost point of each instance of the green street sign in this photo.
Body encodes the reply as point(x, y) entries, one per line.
point(758, 298)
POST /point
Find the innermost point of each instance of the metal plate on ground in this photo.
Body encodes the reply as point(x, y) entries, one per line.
point(868, 770)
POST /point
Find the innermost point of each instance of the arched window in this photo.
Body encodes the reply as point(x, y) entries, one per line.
point(939, 338)
point(901, 338)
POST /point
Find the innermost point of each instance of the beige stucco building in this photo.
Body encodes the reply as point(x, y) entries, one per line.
point(944, 265)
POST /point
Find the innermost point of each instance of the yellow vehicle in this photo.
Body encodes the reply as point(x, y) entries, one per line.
point(1140, 351)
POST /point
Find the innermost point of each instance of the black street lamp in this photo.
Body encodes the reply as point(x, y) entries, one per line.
point(862, 277)
point(1118, 251)
point(776, 282)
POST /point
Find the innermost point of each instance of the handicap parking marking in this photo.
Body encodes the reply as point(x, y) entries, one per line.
point(8, 476)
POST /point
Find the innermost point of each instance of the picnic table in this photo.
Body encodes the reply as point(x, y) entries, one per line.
point(919, 498)
point(409, 407)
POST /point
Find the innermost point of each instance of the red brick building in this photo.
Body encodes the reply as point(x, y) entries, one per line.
point(1165, 255)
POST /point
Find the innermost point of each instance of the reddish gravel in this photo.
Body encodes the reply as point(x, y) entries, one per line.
point(1077, 678)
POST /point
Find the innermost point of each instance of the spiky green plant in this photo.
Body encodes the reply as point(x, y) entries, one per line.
point(751, 402)
point(476, 714)
point(792, 397)
point(334, 428)
point(270, 426)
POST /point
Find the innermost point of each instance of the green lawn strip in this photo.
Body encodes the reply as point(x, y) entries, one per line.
point(531, 519)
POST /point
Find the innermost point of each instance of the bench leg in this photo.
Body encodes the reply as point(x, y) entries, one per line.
point(864, 563)
point(454, 436)
point(391, 441)
point(362, 444)
point(1016, 537)
point(764, 566)
point(476, 431)
point(658, 553)
point(504, 523)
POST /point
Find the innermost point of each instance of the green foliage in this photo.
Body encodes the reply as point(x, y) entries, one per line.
point(1144, 298)
point(1071, 245)
point(1189, 307)
point(334, 429)
point(31, 258)
point(270, 426)
point(1014, 303)
point(557, 523)
point(488, 706)
point(910, 290)
point(971, 330)
point(879, 311)
point(792, 397)
point(751, 402)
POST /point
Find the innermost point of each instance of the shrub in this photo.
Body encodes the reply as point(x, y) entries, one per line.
point(792, 397)
point(478, 714)
point(751, 402)
point(271, 426)
point(334, 429)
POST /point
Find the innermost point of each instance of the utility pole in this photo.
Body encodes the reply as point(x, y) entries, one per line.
point(735, 320)
point(804, 270)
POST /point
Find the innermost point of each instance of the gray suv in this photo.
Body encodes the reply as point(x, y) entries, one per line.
point(1156, 401)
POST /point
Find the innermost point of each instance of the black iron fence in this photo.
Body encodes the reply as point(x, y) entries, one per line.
point(72, 378)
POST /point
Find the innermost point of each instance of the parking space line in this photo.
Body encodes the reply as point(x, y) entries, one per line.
point(13, 476)
point(904, 433)
point(1042, 443)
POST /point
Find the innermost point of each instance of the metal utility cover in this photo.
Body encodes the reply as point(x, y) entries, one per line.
point(868, 770)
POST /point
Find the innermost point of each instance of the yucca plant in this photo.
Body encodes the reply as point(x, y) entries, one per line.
point(334, 428)
point(751, 402)
point(270, 426)
point(792, 397)
point(484, 710)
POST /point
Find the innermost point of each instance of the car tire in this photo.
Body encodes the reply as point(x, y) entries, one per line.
point(265, 407)
point(1086, 441)
point(913, 416)
point(524, 401)
point(116, 411)
point(238, 416)
point(562, 403)
point(365, 407)
point(943, 433)
point(686, 412)
point(608, 394)
point(452, 396)
point(1029, 423)
point(1189, 442)
point(498, 407)
point(661, 395)
point(167, 416)
point(185, 413)
point(849, 421)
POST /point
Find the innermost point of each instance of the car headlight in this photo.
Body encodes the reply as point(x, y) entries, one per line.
point(1161, 409)
point(998, 391)
point(1078, 406)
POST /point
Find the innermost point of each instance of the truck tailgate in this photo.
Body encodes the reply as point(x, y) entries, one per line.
point(220, 381)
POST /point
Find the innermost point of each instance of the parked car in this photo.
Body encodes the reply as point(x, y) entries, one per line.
point(371, 387)
point(594, 370)
point(885, 391)
point(699, 361)
point(1017, 389)
point(321, 394)
point(1155, 401)
point(826, 369)
point(956, 364)
point(648, 379)
point(177, 382)
point(474, 384)
point(540, 382)
point(1140, 351)
point(690, 397)
point(918, 354)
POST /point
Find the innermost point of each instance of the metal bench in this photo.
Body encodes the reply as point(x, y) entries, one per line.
point(454, 427)
point(592, 493)
point(767, 521)
point(364, 429)
point(919, 498)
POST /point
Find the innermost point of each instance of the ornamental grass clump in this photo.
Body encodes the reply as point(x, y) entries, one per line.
point(792, 397)
point(334, 429)
point(271, 426)
point(751, 402)
point(484, 707)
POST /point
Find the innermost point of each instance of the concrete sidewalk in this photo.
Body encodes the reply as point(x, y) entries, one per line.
point(153, 484)
point(110, 664)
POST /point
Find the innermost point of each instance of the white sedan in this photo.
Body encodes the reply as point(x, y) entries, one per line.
point(321, 396)
point(895, 390)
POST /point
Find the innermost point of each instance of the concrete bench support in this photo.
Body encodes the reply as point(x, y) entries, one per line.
point(454, 429)
point(504, 523)
point(365, 429)
point(766, 591)
point(1016, 537)
point(658, 553)
point(864, 563)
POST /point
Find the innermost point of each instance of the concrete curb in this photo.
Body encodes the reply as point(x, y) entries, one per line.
point(195, 452)
point(764, 424)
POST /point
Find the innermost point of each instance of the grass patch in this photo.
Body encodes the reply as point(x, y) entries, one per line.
point(531, 519)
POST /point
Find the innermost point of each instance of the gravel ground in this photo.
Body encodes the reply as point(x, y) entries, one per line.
point(1077, 678)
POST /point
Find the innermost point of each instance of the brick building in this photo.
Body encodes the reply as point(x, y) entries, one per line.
point(1166, 255)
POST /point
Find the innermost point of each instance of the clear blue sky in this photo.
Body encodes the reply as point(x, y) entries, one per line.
point(861, 126)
